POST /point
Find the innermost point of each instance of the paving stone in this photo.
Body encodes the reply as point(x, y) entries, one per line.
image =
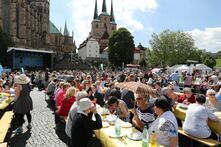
point(42, 133)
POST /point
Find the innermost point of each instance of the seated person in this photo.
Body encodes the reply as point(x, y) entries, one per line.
point(144, 113)
point(165, 125)
point(211, 102)
point(83, 125)
point(118, 107)
point(196, 121)
point(187, 97)
point(69, 99)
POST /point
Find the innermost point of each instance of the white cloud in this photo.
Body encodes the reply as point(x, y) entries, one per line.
point(209, 39)
point(124, 11)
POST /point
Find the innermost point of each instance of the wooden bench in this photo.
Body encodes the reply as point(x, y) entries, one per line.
point(5, 144)
point(207, 141)
point(5, 124)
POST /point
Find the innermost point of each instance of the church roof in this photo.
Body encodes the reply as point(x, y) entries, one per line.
point(112, 13)
point(104, 8)
point(95, 11)
point(54, 29)
point(66, 33)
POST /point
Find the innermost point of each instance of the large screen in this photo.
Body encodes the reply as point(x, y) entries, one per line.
point(28, 60)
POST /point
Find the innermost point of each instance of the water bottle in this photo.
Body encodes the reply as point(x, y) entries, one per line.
point(117, 127)
point(153, 139)
point(145, 137)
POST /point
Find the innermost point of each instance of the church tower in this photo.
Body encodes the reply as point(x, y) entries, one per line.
point(103, 25)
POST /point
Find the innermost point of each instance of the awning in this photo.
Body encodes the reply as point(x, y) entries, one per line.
point(29, 50)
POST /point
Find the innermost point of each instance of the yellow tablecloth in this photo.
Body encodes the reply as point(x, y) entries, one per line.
point(6, 102)
point(214, 125)
point(107, 141)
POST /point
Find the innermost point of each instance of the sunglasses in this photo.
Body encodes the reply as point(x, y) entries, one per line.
point(212, 94)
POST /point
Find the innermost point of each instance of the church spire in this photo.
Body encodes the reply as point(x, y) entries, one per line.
point(104, 8)
point(112, 12)
point(66, 33)
point(95, 11)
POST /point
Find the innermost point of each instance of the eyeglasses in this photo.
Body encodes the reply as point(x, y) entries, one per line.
point(212, 94)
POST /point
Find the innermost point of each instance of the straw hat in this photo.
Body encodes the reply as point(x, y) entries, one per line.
point(22, 79)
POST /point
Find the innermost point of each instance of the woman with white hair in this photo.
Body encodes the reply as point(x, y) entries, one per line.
point(73, 111)
point(83, 125)
point(211, 102)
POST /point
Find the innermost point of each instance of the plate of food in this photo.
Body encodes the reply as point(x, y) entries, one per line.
point(111, 119)
point(112, 134)
point(135, 136)
point(105, 124)
point(126, 125)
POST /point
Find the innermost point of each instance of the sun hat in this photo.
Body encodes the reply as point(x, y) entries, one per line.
point(22, 79)
point(84, 104)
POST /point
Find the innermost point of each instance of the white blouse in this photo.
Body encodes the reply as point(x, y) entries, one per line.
point(165, 127)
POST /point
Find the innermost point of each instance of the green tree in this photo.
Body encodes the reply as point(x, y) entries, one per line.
point(5, 42)
point(121, 47)
point(208, 60)
point(169, 48)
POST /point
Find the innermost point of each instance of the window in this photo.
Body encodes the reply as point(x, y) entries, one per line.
point(96, 25)
point(105, 18)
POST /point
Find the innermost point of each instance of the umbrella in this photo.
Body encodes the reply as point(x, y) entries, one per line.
point(137, 87)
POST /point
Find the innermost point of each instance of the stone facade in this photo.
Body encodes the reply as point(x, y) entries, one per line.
point(102, 25)
point(27, 22)
point(0, 13)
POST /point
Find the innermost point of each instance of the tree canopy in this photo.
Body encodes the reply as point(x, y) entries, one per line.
point(169, 48)
point(5, 42)
point(121, 47)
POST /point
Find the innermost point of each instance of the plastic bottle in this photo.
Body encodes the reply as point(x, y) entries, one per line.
point(117, 127)
point(145, 137)
point(153, 139)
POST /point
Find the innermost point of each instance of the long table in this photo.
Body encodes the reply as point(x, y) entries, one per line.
point(214, 125)
point(103, 135)
point(7, 101)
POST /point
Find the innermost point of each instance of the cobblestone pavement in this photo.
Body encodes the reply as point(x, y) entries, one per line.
point(43, 133)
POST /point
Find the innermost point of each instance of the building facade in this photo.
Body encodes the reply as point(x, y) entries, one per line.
point(102, 26)
point(90, 50)
point(27, 23)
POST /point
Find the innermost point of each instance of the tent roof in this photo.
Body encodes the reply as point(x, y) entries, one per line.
point(202, 66)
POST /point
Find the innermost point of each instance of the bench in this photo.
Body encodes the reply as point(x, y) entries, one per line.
point(5, 124)
point(206, 141)
point(5, 144)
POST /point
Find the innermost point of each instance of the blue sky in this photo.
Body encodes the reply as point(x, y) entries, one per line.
point(200, 18)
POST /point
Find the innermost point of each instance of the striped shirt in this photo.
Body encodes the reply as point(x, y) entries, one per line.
point(146, 116)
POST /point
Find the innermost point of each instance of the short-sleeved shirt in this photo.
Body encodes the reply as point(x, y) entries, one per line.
point(146, 116)
point(165, 126)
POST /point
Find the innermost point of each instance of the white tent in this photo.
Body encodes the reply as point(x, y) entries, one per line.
point(183, 68)
point(172, 69)
point(203, 68)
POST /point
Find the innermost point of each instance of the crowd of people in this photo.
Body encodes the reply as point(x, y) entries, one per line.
point(77, 95)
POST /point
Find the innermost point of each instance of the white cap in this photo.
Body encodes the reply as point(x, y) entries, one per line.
point(84, 104)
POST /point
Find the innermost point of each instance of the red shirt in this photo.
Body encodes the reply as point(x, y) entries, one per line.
point(191, 99)
point(65, 106)
point(59, 98)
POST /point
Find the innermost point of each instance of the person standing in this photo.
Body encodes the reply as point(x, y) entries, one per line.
point(23, 102)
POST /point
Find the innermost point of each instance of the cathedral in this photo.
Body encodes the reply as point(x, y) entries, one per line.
point(27, 23)
point(102, 26)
